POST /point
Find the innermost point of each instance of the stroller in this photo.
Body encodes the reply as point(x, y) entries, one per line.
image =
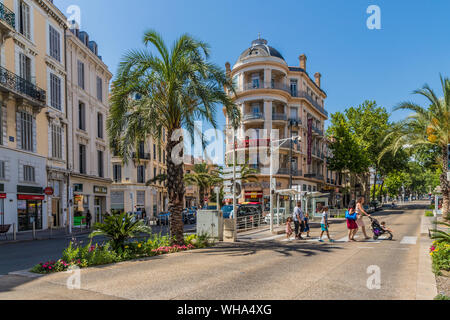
point(378, 230)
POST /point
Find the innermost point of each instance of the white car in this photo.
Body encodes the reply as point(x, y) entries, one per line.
point(281, 214)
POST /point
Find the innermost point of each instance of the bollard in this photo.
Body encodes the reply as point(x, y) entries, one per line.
point(34, 230)
point(14, 232)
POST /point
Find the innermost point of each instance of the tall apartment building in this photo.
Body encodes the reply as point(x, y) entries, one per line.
point(273, 95)
point(33, 118)
point(129, 191)
point(88, 107)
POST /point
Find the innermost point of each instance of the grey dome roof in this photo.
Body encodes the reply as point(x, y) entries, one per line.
point(260, 48)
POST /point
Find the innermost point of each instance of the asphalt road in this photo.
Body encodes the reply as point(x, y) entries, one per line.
point(255, 268)
point(26, 254)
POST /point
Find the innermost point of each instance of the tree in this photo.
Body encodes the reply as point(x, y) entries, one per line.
point(171, 89)
point(203, 178)
point(427, 128)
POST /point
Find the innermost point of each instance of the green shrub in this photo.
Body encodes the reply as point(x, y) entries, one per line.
point(441, 297)
point(440, 253)
point(120, 228)
point(429, 214)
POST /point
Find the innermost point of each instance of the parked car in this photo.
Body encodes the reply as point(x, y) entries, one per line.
point(163, 218)
point(376, 205)
point(189, 216)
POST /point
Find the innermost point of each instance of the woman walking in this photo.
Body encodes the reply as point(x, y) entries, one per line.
point(351, 221)
point(361, 213)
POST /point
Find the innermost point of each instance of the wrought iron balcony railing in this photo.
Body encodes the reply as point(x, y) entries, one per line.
point(253, 116)
point(141, 155)
point(8, 16)
point(279, 116)
point(18, 84)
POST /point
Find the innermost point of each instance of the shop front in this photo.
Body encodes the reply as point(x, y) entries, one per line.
point(100, 193)
point(117, 201)
point(29, 212)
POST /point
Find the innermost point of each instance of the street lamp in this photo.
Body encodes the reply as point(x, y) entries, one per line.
point(272, 187)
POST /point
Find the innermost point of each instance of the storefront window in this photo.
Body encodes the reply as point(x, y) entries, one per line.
point(2, 210)
point(117, 202)
point(29, 212)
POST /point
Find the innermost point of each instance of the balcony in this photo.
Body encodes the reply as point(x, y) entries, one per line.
point(315, 176)
point(266, 85)
point(253, 116)
point(141, 155)
point(279, 117)
point(24, 89)
point(7, 19)
point(305, 95)
point(285, 171)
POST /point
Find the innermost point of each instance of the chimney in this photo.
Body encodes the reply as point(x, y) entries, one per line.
point(303, 61)
point(317, 76)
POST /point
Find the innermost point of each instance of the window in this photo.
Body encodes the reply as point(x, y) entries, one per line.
point(141, 149)
point(117, 173)
point(99, 89)
point(141, 174)
point(26, 125)
point(56, 132)
point(159, 154)
point(100, 163)
point(55, 47)
point(82, 158)
point(294, 88)
point(154, 173)
point(293, 114)
point(256, 108)
point(28, 174)
point(24, 67)
point(100, 125)
point(55, 91)
point(24, 19)
point(81, 74)
point(255, 81)
point(2, 170)
point(81, 116)
point(154, 151)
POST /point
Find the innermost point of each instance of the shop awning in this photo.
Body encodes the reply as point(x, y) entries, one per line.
point(30, 197)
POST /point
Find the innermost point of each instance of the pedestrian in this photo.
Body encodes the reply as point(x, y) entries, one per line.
point(361, 213)
point(324, 225)
point(351, 216)
point(306, 224)
point(88, 219)
point(289, 230)
point(144, 216)
point(299, 222)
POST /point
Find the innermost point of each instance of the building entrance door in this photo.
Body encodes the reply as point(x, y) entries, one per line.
point(98, 210)
point(56, 213)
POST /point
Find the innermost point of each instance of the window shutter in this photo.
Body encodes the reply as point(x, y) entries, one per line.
point(19, 130)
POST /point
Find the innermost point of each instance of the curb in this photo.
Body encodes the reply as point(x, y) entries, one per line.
point(426, 288)
point(25, 273)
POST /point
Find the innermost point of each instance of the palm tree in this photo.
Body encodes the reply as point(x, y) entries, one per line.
point(203, 178)
point(172, 89)
point(427, 127)
point(119, 228)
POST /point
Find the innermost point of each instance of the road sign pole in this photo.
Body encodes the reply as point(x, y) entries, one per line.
point(270, 184)
point(234, 187)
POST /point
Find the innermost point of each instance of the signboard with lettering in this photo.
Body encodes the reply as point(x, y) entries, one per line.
point(100, 189)
point(310, 120)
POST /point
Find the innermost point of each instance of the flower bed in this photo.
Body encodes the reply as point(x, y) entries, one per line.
point(440, 254)
point(77, 255)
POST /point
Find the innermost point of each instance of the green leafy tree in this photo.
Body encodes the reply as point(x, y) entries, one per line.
point(119, 228)
point(204, 178)
point(173, 88)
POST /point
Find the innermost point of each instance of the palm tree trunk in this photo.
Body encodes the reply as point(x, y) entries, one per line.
point(445, 186)
point(176, 191)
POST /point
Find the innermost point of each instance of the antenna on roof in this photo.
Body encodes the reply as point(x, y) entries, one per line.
point(259, 35)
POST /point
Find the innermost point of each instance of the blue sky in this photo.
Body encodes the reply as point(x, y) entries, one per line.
point(356, 63)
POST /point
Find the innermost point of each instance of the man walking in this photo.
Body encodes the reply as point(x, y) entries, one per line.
point(299, 218)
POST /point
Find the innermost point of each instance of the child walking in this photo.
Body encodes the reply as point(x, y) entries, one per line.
point(325, 225)
point(289, 231)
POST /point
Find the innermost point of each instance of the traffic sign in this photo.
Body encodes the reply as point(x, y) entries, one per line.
point(230, 176)
point(230, 169)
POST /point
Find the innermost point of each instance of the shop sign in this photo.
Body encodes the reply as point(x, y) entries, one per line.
point(30, 197)
point(48, 191)
point(100, 189)
point(2, 195)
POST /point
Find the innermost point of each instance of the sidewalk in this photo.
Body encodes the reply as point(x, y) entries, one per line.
point(43, 235)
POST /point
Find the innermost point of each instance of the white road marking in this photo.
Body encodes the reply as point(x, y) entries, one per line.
point(409, 240)
point(272, 238)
